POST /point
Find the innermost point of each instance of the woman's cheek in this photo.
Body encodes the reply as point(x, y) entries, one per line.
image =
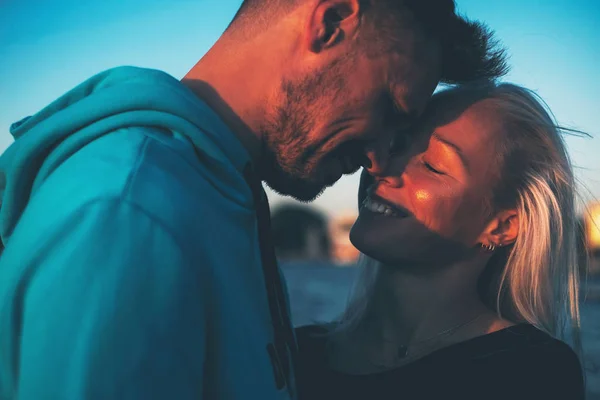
point(422, 196)
point(436, 206)
point(423, 206)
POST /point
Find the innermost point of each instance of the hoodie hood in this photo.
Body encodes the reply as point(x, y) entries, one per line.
point(118, 98)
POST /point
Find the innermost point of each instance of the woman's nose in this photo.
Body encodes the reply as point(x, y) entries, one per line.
point(389, 157)
point(395, 173)
point(377, 161)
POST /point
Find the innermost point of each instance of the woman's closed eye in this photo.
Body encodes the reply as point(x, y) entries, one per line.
point(431, 168)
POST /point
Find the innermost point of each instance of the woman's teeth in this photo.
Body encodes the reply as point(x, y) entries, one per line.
point(379, 208)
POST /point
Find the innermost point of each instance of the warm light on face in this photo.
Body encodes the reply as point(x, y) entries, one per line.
point(422, 195)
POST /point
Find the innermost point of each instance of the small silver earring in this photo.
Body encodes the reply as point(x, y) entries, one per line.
point(489, 247)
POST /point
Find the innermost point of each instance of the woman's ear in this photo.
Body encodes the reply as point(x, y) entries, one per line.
point(502, 230)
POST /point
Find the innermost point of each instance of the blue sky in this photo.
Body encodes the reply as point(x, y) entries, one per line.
point(47, 47)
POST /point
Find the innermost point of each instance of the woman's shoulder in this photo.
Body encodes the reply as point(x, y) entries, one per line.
point(530, 342)
point(524, 342)
point(544, 352)
point(530, 360)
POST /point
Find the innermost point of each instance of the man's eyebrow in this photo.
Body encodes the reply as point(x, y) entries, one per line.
point(454, 146)
point(397, 94)
point(409, 117)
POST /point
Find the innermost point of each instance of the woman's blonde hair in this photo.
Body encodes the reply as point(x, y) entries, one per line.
point(535, 280)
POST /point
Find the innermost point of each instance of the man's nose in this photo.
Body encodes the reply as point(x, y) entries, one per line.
point(378, 156)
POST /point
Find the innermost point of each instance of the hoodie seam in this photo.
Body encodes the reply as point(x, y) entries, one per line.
point(194, 162)
point(122, 201)
point(125, 195)
point(139, 158)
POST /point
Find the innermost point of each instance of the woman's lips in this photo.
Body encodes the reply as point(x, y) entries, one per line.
point(380, 205)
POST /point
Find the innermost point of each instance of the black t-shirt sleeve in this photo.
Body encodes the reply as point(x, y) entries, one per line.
point(546, 371)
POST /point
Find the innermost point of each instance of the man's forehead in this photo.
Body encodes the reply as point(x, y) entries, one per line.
point(412, 97)
point(415, 71)
point(412, 88)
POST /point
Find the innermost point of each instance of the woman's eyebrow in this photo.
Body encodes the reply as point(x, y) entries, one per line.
point(454, 146)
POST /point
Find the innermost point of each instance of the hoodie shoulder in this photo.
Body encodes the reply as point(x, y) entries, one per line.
point(158, 172)
point(87, 124)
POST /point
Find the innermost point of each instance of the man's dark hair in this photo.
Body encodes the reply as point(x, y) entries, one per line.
point(469, 50)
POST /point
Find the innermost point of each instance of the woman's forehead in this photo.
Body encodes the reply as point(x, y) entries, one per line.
point(476, 126)
point(470, 119)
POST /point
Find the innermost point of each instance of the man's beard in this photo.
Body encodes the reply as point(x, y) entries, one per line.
point(286, 164)
point(289, 158)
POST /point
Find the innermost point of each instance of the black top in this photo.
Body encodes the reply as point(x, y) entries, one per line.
point(520, 362)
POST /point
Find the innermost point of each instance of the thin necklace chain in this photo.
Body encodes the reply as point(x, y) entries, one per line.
point(403, 355)
point(447, 331)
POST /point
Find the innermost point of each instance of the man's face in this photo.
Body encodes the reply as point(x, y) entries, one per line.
point(333, 120)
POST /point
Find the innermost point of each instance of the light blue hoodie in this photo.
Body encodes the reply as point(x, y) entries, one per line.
point(132, 267)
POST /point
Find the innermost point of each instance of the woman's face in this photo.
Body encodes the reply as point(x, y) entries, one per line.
point(430, 205)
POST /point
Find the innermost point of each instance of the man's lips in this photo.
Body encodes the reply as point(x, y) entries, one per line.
point(349, 164)
point(351, 155)
point(338, 166)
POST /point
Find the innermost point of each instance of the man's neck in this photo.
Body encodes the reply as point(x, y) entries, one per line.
point(236, 83)
point(248, 137)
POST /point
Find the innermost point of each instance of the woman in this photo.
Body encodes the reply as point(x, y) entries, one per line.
point(470, 267)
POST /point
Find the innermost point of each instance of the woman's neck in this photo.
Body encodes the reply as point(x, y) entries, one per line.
point(407, 307)
point(410, 310)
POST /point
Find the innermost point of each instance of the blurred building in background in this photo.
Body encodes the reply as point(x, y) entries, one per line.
point(300, 232)
point(343, 252)
point(303, 233)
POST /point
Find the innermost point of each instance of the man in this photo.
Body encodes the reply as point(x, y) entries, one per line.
point(135, 265)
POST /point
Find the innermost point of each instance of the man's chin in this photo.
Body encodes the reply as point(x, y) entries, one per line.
point(298, 189)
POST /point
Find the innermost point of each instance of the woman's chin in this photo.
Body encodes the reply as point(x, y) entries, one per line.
point(392, 240)
point(378, 227)
point(379, 236)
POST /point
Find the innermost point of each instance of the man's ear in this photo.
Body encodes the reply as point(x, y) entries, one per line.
point(502, 230)
point(330, 22)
